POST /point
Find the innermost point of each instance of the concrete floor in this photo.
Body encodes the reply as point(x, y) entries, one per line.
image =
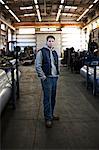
point(78, 128)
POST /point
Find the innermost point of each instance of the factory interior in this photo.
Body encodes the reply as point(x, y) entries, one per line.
point(24, 28)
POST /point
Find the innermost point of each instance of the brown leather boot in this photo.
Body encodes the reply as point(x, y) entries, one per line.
point(48, 124)
point(56, 118)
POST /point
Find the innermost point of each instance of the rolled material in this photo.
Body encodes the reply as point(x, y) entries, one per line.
point(5, 87)
point(4, 97)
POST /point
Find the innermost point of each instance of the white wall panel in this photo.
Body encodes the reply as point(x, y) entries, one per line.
point(24, 39)
point(26, 36)
point(71, 37)
point(26, 44)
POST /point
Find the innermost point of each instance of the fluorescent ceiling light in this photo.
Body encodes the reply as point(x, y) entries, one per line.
point(47, 29)
point(37, 7)
point(86, 10)
point(71, 7)
point(68, 14)
point(2, 2)
point(26, 30)
point(38, 13)
point(62, 1)
point(57, 17)
point(23, 8)
point(60, 7)
point(95, 1)
point(35, 1)
point(11, 12)
point(52, 29)
point(29, 14)
point(58, 14)
point(18, 20)
point(74, 7)
point(90, 6)
point(59, 11)
point(43, 29)
point(6, 7)
point(83, 14)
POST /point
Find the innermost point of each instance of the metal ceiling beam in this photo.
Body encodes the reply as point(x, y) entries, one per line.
point(10, 26)
point(57, 24)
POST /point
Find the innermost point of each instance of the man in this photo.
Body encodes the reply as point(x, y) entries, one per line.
point(47, 68)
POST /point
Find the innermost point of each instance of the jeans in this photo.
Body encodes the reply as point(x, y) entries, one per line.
point(49, 86)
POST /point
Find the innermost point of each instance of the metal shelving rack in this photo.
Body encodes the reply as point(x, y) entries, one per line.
point(93, 64)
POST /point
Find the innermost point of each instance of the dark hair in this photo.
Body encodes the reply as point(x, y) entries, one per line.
point(50, 36)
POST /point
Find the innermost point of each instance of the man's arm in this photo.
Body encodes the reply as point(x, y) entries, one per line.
point(38, 65)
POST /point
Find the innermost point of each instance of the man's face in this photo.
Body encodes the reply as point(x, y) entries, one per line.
point(50, 43)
